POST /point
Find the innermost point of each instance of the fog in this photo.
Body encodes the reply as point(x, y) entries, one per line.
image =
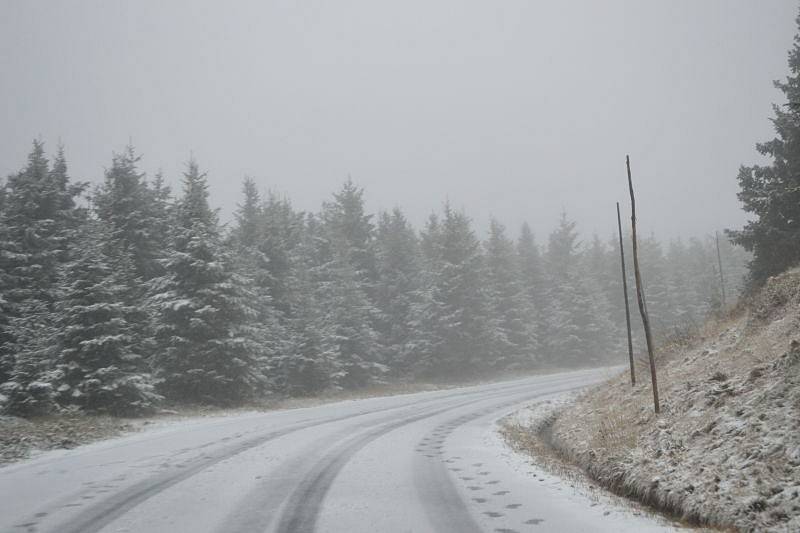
point(518, 109)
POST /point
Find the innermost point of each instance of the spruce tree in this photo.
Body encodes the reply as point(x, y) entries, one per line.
point(398, 293)
point(512, 312)
point(576, 329)
point(37, 231)
point(309, 365)
point(99, 364)
point(656, 287)
point(598, 270)
point(683, 297)
point(281, 235)
point(248, 239)
point(7, 308)
point(456, 317)
point(134, 213)
point(207, 351)
point(350, 315)
point(533, 280)
point(346, 221)
point(771, 193)
point(248, 231)
point(346, 276)
point(161, 217)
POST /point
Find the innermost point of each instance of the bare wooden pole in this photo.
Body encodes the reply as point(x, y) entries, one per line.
point(625, 292)
point(639, 293)
point(721, 276)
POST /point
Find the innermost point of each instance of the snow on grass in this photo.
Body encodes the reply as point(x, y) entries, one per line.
point(726, 449)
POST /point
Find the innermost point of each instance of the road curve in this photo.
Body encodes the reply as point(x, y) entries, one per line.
point(426, 462)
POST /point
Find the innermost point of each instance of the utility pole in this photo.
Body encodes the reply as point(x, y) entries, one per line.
point(625, 292)
point(721, 277)
point(639, 293)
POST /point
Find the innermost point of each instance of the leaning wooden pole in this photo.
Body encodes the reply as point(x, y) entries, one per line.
point(625, 293)
point(639, 292)
point(721, 276)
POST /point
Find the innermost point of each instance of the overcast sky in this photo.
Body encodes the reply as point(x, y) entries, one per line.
point(511, 108)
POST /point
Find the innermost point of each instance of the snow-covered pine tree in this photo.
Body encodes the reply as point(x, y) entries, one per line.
point(302, 351)
point(598, 276)
point(7, 284)
point(247, 240)
point(771, 193)
point(576, 328)
point(249, 227)
point(99, 365)
point(683, 298)
point(656, 284)
point(534, 284)
point(206, 352)
point(161, 214)
point(346, 275)
point(309, 366)
point(134, 212)
point(351, 315)
point(563, 340)
point(398, 292)
point(429, 311)
point(513, 318)
point(282, 231)
point(37, 230)
point(456, 317)
point(346, 221)
point(139, 220)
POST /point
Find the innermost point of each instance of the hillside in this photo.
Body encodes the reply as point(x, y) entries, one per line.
point(725, 451)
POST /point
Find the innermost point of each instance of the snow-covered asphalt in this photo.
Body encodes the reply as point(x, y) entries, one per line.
point(426, 462)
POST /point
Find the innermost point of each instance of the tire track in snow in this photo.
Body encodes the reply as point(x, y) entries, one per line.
point(113, 506)
point(445, 508)
point(305, 503)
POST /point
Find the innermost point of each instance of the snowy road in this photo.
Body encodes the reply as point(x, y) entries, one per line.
point(426, 462)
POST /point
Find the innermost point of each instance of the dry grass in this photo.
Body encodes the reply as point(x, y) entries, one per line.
point(725, 451)
point(19, 437)
point(615, 431)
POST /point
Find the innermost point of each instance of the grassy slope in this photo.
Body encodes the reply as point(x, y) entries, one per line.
point(726, 449)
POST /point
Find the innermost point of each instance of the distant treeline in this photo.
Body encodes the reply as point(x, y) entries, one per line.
point(143, 298)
